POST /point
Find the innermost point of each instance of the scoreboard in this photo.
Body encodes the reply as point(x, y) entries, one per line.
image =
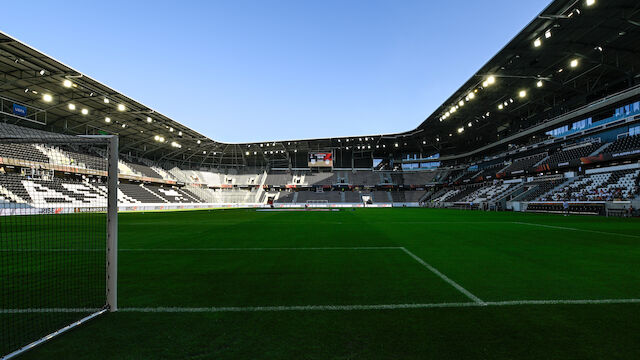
point(318, 159)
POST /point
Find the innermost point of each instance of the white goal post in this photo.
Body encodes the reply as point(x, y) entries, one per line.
point(58, 249)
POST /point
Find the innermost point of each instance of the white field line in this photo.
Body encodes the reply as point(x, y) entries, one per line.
point(575, 229)
point(214, 249)
point(271, 248)
point(48, 310)
point(444, 277)
point(163, 309)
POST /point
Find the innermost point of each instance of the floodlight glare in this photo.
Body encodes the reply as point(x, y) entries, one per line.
point(72, 106)
point(121, 107)
point(574, 63)
point(539, 83)
point(522, 93)
point(590, 2)
point(47, 98)
point(537, 42)
point(67, 83)
point(84, 111)
point(491, 80)
point(471, 96)
point(107, 119)
point(106, 101)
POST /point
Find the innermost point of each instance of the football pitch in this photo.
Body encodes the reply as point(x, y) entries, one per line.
point(367, 284)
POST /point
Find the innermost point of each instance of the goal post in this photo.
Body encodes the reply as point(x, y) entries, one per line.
point(58, 234)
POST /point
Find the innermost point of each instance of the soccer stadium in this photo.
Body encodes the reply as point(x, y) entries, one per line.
point(504, 226)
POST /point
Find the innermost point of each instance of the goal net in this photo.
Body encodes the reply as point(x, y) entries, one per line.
point(58, 233)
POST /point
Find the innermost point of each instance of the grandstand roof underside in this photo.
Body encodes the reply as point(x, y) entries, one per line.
point(601, 40)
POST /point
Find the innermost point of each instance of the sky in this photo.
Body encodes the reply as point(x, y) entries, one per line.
point(249, 71)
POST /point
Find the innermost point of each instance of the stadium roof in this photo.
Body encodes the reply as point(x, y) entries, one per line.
point(573, 53)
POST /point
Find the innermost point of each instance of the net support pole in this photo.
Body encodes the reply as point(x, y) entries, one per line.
point(112, 225)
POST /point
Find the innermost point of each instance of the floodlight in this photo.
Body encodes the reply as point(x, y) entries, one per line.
point(537, 42)
point(84, 111)
point(72, 106)
point(121, 107)
point(107, 119)
point(47, 97)
point(539, 83)
point(522, 93)
point(574, 63)
point(67, 83)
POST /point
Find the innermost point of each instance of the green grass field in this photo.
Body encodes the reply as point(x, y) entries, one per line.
point(367, 284)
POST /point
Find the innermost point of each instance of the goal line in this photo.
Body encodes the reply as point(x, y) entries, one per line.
point(358, 307)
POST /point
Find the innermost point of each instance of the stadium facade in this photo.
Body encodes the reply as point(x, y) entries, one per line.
point(554, 117)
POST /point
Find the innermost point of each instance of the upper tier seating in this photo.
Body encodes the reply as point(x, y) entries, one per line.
point(571, 153)
point(524, 163)
point(626, 143)
point(319, 178)
point(279, 179)
point(419, 178)
point(144, 170)
point(22, 152)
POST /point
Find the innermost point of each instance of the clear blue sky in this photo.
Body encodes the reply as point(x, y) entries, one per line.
point(242, 70)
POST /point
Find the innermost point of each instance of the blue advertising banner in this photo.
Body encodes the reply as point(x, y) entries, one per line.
point(19, 110)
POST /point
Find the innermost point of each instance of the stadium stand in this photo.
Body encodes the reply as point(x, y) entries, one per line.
point(601, 186)
point(627, 143)
point(523, 164)
point(562, 158)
